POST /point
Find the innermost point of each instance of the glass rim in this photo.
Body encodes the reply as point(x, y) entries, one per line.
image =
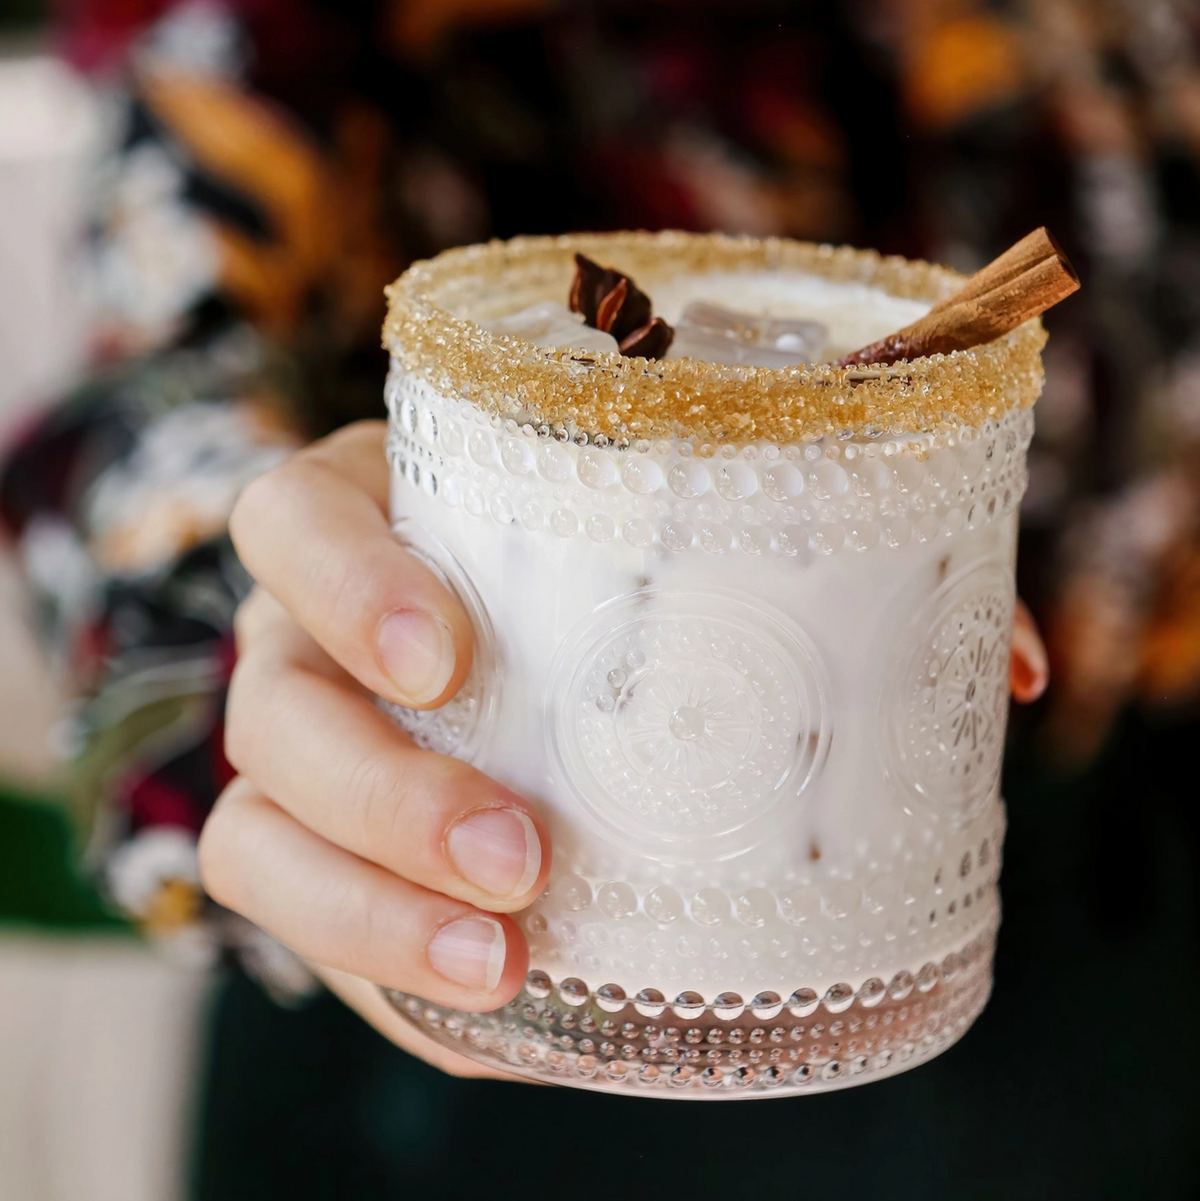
point(434, 332)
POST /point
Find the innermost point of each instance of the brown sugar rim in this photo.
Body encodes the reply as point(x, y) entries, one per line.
point(433, 331)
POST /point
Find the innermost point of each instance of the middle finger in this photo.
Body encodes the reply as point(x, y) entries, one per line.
point(336, 763)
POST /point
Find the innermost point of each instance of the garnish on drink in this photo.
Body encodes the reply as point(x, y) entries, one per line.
point(612, 302)
point(1023, 282)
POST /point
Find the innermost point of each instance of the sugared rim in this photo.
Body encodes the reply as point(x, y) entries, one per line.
point(433, 330)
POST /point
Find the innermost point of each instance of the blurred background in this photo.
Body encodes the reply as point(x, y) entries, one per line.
point(200, 202)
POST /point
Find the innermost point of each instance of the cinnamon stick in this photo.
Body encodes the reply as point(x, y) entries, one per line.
point(1023, 282)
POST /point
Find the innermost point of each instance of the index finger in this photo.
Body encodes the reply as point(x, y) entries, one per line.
point(314, 533)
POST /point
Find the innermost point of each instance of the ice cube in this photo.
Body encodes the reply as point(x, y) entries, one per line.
point(717, 335)
point(553, 324)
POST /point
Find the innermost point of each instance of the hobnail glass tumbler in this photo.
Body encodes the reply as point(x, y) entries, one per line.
point(743, 635)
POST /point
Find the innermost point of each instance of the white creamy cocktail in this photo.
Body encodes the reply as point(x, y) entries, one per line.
point(743, 634)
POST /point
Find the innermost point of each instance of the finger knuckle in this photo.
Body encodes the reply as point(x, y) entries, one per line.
point(260, 495)
point(213, 854)
point(241, 738)
point(266, 496)
point(356, 590)
point(450, 783)
point(247, 618)
point(352, 926)
point(381, 797)
point(345, 587)
point(354, 435)
point(243, 622)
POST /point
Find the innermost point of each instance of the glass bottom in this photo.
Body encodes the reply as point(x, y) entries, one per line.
point(725, 1048)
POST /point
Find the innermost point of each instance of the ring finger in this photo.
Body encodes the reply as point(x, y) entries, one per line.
point(353, 916)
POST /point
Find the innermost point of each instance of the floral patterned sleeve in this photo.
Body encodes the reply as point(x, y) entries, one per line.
point(203, 255)
point(117, 503)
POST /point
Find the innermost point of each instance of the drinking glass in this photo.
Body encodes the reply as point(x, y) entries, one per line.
point(743, 635)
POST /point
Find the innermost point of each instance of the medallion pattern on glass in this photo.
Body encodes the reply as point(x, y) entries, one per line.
point(686, 718)
point(949, 706)
point(461, 725)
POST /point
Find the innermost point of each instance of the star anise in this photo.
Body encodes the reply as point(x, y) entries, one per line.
point(650, 341)
point(612, 302)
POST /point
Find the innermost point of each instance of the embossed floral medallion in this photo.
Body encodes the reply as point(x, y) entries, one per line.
point(687, 717)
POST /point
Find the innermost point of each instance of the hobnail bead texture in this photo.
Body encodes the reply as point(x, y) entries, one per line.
point(885, 906)
point(724, 1045)
point(824, 497)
